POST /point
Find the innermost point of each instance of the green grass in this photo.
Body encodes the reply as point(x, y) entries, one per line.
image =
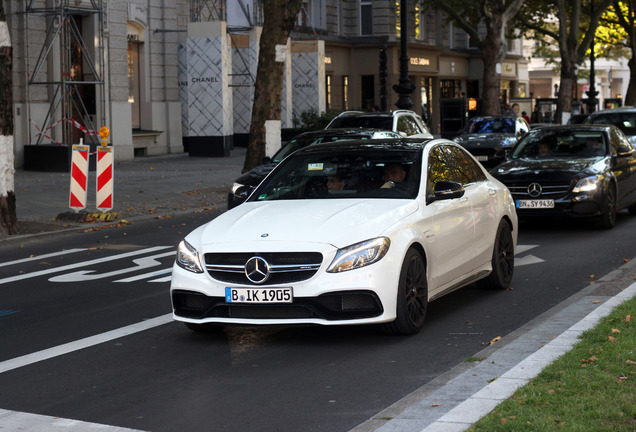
point(590, 388)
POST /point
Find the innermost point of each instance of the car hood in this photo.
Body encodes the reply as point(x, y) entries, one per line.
point(486, 139)
point(513, 169)
point(256, 175)
point(339, 222)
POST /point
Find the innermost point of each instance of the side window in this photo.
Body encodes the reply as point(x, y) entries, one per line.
point(618, 139)
point(407, 125)
point(462, 171)
point(470, 166)
point(437, 169)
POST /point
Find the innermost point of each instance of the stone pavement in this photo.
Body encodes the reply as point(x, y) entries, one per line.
point(143, 187)
point(171, 184)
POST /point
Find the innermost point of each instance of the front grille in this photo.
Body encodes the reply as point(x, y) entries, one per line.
point(549, 190)
point(332, 306)
point(285, 267)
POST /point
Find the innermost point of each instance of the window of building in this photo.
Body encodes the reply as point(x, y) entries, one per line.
point(133, 80)
point(328, 91)
point(367, 86)
point(366, 18)
point(345, 92)
point(451, 88)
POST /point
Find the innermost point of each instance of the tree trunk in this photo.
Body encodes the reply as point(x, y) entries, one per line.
point(630, 96)
point(279, 18)
point(564, 100)
point(491, 103)
point(8, 217)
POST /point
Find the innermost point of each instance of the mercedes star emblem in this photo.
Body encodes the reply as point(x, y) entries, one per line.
point(257, 270)
point(534, 190)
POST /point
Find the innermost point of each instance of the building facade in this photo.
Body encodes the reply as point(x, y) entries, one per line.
point(131, 65)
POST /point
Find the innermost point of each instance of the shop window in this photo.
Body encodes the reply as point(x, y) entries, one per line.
point(345, 92)
point(367, 86)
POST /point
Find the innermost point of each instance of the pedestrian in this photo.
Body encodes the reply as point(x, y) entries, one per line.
point(537, 116)
point(515, 110)
point(525, 116)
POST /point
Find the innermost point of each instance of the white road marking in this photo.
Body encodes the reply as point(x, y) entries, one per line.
point(524, 248)
point(84, 275)
point(39, 257)
point(90, 341)
point(147, 275)
point(80, 264)
point(15, 420)
point(527, 260)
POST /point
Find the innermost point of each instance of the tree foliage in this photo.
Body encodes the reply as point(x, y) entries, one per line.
point(495, 16)
point(570, 25)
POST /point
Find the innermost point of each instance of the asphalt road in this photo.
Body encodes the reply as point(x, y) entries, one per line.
point(146, 372)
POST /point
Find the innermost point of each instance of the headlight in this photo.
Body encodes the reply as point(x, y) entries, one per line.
point(359, 255)
point(588, 184)
point(188, 257)
point(508, 142)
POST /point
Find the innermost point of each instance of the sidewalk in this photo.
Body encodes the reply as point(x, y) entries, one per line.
point(143, 187)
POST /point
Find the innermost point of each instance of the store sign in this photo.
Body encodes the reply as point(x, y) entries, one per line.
point(420, 61)
point(327, 60)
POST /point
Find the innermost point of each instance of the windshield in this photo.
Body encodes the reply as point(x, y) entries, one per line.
point(496, 125)
point(359, 172)
point(569, 144)
point(624, 121)
point(301, 142)
point(377, 122)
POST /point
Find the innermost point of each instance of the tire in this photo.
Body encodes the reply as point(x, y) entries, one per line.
point(412, 296)
point(608, 219)
point(503, 260)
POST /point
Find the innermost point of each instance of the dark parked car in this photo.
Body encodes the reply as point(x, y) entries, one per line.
point(579, 171)
point(488, 137)
point(622, 118)
point(245, 184)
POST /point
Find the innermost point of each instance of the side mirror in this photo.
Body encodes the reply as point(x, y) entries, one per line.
point(445, 190)
point(243, 192)
point(624, 151)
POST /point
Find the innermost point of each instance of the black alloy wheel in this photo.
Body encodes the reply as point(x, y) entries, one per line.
point(608, 219)
point(412, 296)
point(503, 260)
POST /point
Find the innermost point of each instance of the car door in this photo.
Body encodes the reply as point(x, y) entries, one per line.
point(483, 195)
point(452, 228)
point(624, 168)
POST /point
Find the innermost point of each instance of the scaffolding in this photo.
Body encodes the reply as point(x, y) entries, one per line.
point(71, 70)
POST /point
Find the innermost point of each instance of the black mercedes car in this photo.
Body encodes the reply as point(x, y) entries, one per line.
point(580, 171)
point(245, 184)
point(488, 137)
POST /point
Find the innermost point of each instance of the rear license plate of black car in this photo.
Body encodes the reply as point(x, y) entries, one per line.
point(259, 295)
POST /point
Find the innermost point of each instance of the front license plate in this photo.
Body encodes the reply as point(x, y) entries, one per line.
point(535, 204)
point(482, 158)
point(258, 295)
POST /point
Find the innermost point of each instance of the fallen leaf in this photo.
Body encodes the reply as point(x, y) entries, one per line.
point(503, 420)
point(436, 405)
point(497, 339)
point(615, 330)
point(596, 301)
point(631, 362)
point(592, 276)
point(492, 380)
point(551, 392)
point(626, 260)
point(611, 338)
point(628, 318)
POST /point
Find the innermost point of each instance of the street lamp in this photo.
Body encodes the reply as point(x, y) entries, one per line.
point(404, 88)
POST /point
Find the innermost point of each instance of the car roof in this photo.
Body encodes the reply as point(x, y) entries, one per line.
point(492, 117)
point(340, 132)
point(614, 111)
point(408, 144)
point(576, 127)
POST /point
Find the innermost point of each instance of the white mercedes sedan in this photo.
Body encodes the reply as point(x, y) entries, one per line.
point(350, 233)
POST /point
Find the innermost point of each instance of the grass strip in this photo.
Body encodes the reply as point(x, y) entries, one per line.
point(590, 388)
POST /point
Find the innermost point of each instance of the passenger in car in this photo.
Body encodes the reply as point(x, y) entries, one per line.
point(544, 149)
